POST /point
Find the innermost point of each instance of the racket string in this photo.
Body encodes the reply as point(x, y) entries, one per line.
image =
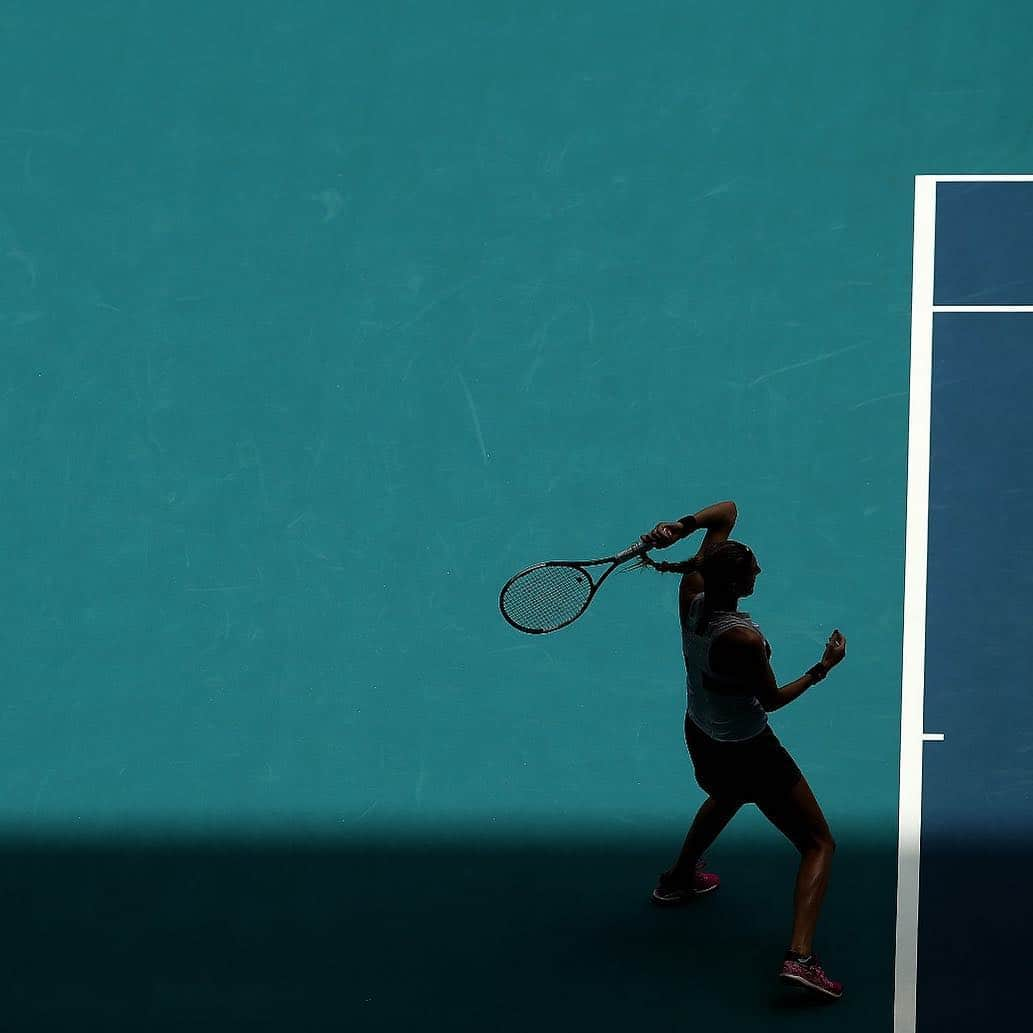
point(542, 599)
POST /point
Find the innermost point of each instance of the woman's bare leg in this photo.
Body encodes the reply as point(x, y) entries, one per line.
point(710, 819)
point(799, 817)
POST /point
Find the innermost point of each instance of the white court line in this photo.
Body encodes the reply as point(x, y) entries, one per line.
point(932, 737)
point(983, 308)
point(978, 179)
point(912, 688)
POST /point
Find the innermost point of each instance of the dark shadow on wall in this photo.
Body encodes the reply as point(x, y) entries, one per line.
point(403, 935)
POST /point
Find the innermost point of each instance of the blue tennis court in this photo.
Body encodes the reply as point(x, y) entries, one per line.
point(966, 772)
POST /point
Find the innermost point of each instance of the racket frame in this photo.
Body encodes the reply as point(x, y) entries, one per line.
point(582, 565)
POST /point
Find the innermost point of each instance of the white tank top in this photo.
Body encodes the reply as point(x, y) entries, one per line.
point(730, 718)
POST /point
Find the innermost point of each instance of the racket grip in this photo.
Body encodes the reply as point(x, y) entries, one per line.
point(632, 550)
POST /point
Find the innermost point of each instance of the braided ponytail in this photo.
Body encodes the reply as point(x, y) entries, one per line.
point(724, 564)
point(689, 566)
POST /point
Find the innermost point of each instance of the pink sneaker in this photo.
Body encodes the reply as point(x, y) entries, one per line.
point(809, 973)
point(669, 893)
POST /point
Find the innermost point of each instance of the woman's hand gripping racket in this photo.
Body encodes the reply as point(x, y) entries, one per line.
point(549, 596)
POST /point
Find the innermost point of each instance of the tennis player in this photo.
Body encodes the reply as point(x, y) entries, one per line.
point(736, 756)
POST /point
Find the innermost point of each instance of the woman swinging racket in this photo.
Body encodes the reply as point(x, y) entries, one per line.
point(736, 757)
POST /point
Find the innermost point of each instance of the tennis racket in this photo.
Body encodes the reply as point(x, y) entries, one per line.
point(549, 596)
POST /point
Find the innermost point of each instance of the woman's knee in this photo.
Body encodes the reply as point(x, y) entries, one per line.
point(816, 841)
point(824, 843)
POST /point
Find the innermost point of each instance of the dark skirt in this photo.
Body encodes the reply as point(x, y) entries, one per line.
point(751, 771)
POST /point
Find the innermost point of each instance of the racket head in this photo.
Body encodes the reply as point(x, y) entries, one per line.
point(546, 597)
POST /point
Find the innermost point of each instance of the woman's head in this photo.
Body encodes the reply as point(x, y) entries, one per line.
point(729, 569)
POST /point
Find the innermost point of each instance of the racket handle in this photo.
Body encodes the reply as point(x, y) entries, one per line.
point(632, 550)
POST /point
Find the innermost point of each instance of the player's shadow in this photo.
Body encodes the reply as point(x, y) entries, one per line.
point(459, 936)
